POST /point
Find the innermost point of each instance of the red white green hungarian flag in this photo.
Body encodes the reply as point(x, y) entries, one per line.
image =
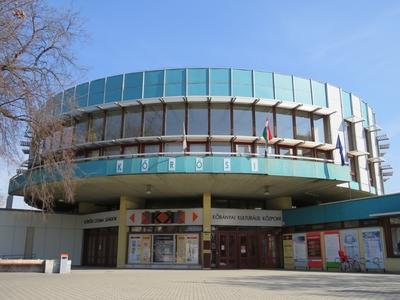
point(267, 132)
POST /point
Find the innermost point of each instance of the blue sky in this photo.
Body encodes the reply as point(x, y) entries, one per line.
point(351, 44)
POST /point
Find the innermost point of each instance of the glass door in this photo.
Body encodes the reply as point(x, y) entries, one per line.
point(248, 249)
point(269, 250)
point(226, 250)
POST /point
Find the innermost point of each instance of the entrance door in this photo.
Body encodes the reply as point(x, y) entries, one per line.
point(248, 249)
point(226, 250)
point(269, 250)
point(100, 247)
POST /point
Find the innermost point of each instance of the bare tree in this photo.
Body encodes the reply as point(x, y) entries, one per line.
point(36, 62)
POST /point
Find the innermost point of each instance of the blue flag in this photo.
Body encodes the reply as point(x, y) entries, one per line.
point(340, 147)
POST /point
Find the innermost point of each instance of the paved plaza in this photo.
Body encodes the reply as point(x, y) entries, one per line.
point(198, 284)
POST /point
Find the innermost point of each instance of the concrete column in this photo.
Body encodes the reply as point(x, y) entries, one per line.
point(206, 249)
point(125, 203)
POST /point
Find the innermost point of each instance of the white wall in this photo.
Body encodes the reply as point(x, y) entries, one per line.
point(53, 233)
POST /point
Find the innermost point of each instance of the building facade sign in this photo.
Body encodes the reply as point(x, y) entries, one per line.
point(246, 217)
point(99, 220)
point(149, 217)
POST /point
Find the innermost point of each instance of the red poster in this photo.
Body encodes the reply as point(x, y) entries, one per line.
point(314, 251)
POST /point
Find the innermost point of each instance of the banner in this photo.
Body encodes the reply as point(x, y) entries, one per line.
point(314, 252)
point(288, 251)
point(332, 247)
point(148, 217)
point(373, 248)
point(139, 249)
point(299, 250)
point(187, 248)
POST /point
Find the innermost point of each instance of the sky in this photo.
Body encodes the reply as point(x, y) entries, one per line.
point(354, 45)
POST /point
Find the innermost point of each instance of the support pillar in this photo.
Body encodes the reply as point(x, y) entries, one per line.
point(206, 236)
point(125, 203)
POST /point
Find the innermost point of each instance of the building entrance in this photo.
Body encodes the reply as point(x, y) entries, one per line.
point(100, 246)
point(250, 249)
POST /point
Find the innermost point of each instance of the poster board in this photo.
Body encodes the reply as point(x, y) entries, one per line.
point(350, 245)
point(163, 248)
point(299, 250)
point(288, 261)
point(314, 251)
point(332, 247)
point(187, 248)
point(373, 250)
point(139, 249)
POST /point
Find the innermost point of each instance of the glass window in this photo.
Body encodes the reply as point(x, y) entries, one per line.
point(364, 113)
point(323, 154)
point(349, 135)
point(302, 90)
point(153, 120)
point(133, 122)
point(69, 100)
point(81, 94)
point(198, 82)
point(153, 84)
point(131, 150)
point(175, 82)
point(197, 147)
point(262, 113)
point(263, 85)
point(283, 87)
point(80, 131)
point(284, 123)
point(396, 240)
point(113, 125)
point(221, 147)
point(151, 148)
point(220, 119)
point(319, 93)
point(68, 133)
point(198, 119)
point(285, 151)
point(114, 88)
point(115, 150)
point(243, 148)
point(93, 153)
point(260, 149)
point(242, 120)
point(220, 82)
point(173, 147)
point(133, 86)
point(319, 128)
point(353, 168)
point(242, 83)
point(96, 91)
point(303, 126)
point(96, 128)
point(305, 152)
point(175, 118)
point(346, 105)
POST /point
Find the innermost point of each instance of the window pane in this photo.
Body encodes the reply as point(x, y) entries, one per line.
point(243, 149)
point(57, 102)
point(260, 149)
point(220, 119)
point(175, 117)
point(221, 147)
point(284, 124)
point(198, 82)
point(262, 113)
point(113, 125)
point(197, 147)
point(349, 136)
point(96, 128)
point(173, 147)
point(175, 82)
point(283, 87)
point(114, 88)
point(153, 120)
point(132, 122)
point(220, 82)
point(115, 150)
point(346, 103)
point(396, 240)
point(96, 91)
point(133, 86)
point(80, 132)
point(319, 129)
point(285, 151)
point(302, 90)
point(153, 84)
point(81, 94)
point(264, 85)
point(323, 154)
point(69, 100)
point(93, 153)
point(242, 83)
point(364, 113)
point(319, 93)
point(303, 126)
point(152, 148)
point(243, 120)
point(67, 137)
point(131, 150)
point(198, 119)
point(305, 152)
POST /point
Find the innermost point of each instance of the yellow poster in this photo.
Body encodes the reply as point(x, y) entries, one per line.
point(288, 251)
point(187, 248)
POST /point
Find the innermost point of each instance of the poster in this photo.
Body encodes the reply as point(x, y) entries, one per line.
point(288, 251)
point(332, 247)
point(139, 249)
point(314, 249)
point(299, 250)
point(163, 248)
point(351, 246)
point(373, 248)
point(187, 248)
